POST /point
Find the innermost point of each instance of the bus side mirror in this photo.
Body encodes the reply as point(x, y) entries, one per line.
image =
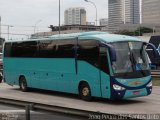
point(155, 51)
point(112, 51)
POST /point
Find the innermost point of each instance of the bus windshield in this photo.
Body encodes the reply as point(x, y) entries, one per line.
point(131, 57)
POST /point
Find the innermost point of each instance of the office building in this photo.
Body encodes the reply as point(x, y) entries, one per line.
point(151, 11)
point(115, 14)
point(123, 12)
point(132, 12)
point(75, 16)
point(104, 22)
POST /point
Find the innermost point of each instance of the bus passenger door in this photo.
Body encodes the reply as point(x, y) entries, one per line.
point(104, 72)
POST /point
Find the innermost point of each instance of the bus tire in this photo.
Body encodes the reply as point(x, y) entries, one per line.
point(23, 84)
point(85, 92)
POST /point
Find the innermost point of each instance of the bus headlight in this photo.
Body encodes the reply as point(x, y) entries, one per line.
point(149, 84)
point(117, 87)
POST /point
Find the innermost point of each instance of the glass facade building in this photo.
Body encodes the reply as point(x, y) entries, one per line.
point(123, 12)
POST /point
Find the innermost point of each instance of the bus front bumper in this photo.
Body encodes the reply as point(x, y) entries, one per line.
point(125, 94)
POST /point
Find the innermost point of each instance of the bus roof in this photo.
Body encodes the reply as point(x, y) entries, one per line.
point(109, 38)
point(101, 36)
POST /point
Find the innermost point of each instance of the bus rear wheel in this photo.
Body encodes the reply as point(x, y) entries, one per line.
point(23, 84)
point(85, 92)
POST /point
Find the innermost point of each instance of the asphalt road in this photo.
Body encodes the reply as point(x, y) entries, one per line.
point(15, 113)
point(141, 105)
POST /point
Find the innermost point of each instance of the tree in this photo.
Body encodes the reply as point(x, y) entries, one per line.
point(138, 32)
point(126, 32)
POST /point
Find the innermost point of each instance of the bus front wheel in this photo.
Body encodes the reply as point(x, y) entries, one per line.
point(23, 84)
point(85, 92)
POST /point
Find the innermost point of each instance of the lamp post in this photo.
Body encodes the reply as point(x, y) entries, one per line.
point(59, 16)
point(36, 25)
point(94, 6)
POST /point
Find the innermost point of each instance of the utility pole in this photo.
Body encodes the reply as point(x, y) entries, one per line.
point(0, 27)
point(59, 17)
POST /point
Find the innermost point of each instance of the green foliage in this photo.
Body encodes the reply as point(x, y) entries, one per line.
point(156, 82)
point(125, 32)
point(138, 32)
point(145, 30)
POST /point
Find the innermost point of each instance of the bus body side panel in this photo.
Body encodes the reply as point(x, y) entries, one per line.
point(105, 85)
point(8, 71)
point(46, 74)
point(64, 75)
point(13, 68)
point(50, 74)
point(90, 74)
point(57, 74)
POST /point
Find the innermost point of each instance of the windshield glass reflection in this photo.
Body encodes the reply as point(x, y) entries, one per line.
point(131, 56)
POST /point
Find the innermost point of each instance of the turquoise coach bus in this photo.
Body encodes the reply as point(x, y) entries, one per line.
point(91, 64)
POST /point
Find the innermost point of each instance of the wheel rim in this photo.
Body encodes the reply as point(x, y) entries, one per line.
point(23, 85)
point(85, 91)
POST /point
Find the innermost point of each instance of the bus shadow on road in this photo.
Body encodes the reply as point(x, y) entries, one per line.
point(51, 93)
point(76, 97)
point(119, 101)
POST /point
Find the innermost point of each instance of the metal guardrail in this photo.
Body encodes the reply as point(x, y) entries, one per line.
point(56, 109)
point(155, 73)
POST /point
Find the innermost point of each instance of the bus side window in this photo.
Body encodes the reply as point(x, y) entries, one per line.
point(7, 50)
point(65, 49)
point(88, 50)
point(47, 49)
point(24, 49)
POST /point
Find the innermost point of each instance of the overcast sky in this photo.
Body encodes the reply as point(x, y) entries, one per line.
point(28, 12)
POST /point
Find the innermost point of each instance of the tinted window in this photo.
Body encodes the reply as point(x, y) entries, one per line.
point(42, 49)
point(65, 49)
point(7, 50)
point(24, 49)
point(88, 50)
point(103, 60)
point(47, 49)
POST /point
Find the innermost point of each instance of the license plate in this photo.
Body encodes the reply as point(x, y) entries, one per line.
point(136, 92)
